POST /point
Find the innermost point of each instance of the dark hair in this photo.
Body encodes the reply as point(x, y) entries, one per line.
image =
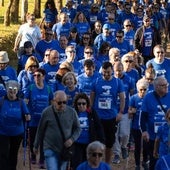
point(106, 65)
point(88, 63)
point(42, 71)
point(103, 47)
point(53, 7)
point(81, 96)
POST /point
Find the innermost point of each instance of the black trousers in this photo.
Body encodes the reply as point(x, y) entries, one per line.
point(137, 135)
point(32, 134)
point(9, 146)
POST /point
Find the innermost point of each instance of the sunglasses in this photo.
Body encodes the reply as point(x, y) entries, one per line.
point(149, 79)
point(110, 18)
point(61, 102)
point(128, 61)
point(33, 66)
point(160, 52)
point(71, 51)
point(127, 25)
point(142, 89)
point(79, 103)
point(96, 154)
point(12, 88)
point(47, 55)
point(37, 75)
point(119, 36)
point(87, 52)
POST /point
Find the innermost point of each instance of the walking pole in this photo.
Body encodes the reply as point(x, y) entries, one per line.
point(29, 152)
point(25, 142)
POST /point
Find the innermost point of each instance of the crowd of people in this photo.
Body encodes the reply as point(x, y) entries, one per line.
point(93, 77)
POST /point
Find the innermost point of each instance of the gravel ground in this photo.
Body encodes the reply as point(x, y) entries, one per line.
point(127, 164)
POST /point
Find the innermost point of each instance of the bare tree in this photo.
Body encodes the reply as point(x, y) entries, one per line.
point(37, 8)
point(7, 14)
point(15, 11)
point(1, 2)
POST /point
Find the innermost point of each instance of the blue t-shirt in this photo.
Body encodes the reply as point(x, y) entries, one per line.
point(162, 135)
point(43, 45)
point(124, 46)
point(147, 41)
point(152, 114)
point(129, 85)
point(136, 102)
point(85, 166)
point(39, 99)
point(106, 94)
point(85, 82)
point(50, 74)
point(84, 137)
point(50, 15)
point(162, 69)
point(11, 116)
point(71, 95)
point(62, 29)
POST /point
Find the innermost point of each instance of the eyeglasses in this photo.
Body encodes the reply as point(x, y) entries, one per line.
point(160, 52)
point(61, 102)
point(142, 89)
point(71, 51)
point(96, 154)
point(12, 88)
point(128, 25)
point(128, 61)
point(119, 36)
point(33, 66)
point(37, 75)
point(88, 52)
point(149, 79)
point(79, 103)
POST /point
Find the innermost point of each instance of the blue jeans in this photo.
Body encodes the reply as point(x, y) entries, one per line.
point(53, 161)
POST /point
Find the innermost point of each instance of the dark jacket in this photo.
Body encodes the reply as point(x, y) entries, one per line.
point(139, 38)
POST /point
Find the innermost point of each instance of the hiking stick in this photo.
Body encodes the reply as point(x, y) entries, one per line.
point(29, 151)
point(25, 142)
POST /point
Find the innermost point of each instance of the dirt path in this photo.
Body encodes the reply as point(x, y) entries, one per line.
point(124, 165)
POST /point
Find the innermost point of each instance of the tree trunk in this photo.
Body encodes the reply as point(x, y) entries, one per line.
point(59, 4)
point(1, 2)
point(7, 14)
point(37, 8)
point(24, 10)
point(15, 11)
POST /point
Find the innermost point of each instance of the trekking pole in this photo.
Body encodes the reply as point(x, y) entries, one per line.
point(29, 151)
point(25, 142)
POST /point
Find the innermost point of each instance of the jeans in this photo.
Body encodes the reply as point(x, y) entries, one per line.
point(53, 161)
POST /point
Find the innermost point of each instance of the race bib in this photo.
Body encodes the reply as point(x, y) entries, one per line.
point(104, 104)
